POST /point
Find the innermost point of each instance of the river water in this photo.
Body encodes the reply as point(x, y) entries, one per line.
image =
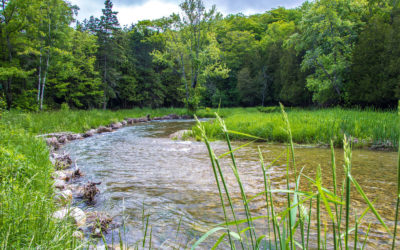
point(144, 174)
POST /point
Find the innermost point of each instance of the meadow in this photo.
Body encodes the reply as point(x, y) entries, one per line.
point(365, 128)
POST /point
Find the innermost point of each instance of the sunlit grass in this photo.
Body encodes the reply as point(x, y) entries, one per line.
point(366, 128)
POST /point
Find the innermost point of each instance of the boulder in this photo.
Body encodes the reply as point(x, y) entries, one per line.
point(89, 133)
point(103, 129)
point(59, 184)
point(130, 120)
point(116, 125)
point(124, 123)
point(74, 213)
point(63, 197)
point(60, 175)
point(63, 139)
point(62, 161)
point(53, 142)
point(73, 137)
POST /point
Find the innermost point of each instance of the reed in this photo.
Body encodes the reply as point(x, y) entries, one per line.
point(290, 227)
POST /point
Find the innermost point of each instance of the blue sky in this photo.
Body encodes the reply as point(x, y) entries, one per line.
point(131, 11)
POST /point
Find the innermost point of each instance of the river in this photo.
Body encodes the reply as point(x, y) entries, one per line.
point(142, 171)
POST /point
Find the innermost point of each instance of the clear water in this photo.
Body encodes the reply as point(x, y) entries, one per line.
point(141, 169)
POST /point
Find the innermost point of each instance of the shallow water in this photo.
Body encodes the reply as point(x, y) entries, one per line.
point(144, 172)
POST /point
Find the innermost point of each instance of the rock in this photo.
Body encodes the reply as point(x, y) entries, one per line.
point(116, 125)
point(130, 120)
point(103, 129)
point(78, 235)
point(60, 175)
point(75, 213)
point(77, 190)
point(124, 123)
point(63, 197)
point(181, 134)
point(89, 133)
point(59, 184)
point(62, 139)
point(53, 142)
point(73, 137)
point(186, 117)
point(99, 222)
point(90, 190)
point(157, 118)
point(62, 161)
point(77, 173)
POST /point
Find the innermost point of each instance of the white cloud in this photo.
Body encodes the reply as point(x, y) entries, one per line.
point(152, 9)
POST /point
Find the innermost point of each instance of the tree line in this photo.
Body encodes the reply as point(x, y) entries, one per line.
point(322, 53)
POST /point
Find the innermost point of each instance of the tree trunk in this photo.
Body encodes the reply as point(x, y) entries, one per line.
point(40, 76)
point(105, 83)
point(44, 79)
point(185, 82)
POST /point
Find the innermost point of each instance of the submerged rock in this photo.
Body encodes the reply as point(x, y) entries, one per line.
point(74, 213)
point(181, 134)
point(90, 190)
point(99, 222)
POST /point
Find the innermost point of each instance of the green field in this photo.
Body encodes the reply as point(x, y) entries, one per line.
point(318, 126)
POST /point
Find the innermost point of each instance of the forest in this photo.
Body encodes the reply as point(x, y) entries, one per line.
point(323, 53)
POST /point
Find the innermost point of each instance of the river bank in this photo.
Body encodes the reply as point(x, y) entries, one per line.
point(370, 129)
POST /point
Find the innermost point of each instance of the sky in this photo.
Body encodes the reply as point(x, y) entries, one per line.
point(131, 11)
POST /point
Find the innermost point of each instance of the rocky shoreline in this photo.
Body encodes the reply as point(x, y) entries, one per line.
point(67, 170)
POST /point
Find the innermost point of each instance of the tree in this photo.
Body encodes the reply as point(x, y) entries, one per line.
point(109, 51)
point(13, 22)
point(192, 44)
point(328, 32)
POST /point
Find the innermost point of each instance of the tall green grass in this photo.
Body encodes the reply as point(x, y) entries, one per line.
point(366, 127)
point(76, 120)
point(309, 209)
point(26, 195)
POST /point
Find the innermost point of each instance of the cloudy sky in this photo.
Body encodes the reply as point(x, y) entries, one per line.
point(131, 11)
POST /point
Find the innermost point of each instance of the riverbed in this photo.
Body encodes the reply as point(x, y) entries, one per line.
point(144, 174)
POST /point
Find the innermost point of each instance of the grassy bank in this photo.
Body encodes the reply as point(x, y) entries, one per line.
point(366, 128)
point(26, 192)
point(76, 120)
